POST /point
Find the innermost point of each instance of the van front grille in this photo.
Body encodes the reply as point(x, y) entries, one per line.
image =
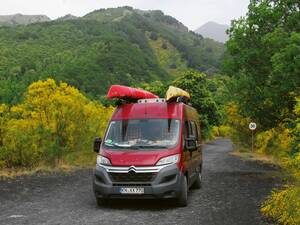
point(131, 184)
point(132, 177)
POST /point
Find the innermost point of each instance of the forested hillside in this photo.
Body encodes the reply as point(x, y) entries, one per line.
point(121, 45)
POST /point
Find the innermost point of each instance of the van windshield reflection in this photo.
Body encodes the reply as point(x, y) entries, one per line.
point(143, 134)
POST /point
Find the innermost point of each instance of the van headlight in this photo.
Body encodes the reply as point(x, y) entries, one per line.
point(101, 160)
point(172, 159)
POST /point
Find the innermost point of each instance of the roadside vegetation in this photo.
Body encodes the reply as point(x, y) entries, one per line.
point(53, 126)
point(262, 60)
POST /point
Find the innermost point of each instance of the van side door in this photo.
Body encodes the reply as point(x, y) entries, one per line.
point(188, 156)
point(197, 153)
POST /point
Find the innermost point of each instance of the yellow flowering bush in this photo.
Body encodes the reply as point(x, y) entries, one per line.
point(20, 144)
point(284, 205)
point(236, 126)
point(3, 127)
point(276, 141)
point(221, 131)
point(296, 129)
point(53, 121)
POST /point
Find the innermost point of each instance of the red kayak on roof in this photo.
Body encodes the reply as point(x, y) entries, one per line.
point(123, 92)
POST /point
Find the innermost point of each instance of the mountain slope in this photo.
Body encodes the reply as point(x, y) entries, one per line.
point(19, 19)
point(102, 48)
point(214, 31)
point(67, 17)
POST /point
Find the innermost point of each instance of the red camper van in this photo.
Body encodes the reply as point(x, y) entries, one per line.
point(151, 149)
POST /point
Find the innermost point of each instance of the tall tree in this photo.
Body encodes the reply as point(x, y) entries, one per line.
point(201, 98)
point(263, 56)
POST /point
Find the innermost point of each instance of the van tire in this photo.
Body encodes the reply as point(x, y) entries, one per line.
point(101, 201)
point(182, 198)
point(198, 181)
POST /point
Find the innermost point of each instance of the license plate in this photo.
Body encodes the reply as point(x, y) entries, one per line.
point(132, 190)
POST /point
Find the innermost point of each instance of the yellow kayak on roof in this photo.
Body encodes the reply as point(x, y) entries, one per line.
point(174, 92)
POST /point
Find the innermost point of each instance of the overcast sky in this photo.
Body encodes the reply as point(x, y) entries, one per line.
point(193, 13)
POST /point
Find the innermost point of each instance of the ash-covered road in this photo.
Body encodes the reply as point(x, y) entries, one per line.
point(232, 192)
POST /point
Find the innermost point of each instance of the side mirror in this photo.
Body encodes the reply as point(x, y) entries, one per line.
point(191, 144)
point(97, 144)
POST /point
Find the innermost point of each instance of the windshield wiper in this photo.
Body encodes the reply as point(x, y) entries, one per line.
point(150, 146)
point(121, 146)
point(136, 146)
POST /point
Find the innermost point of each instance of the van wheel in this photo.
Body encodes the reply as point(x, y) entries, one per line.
point(197, 183)
point(101, 201)
point(183, 195)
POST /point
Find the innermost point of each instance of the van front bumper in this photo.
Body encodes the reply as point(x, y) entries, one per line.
point(164, 183)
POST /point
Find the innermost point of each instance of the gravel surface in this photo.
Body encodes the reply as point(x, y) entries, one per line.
point(232, 192)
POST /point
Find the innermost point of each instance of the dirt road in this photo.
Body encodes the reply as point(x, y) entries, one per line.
point(232, 192)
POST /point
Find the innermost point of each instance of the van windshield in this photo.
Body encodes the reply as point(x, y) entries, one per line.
point(143, 133)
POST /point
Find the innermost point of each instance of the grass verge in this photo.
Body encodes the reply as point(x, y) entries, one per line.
point(71, 162)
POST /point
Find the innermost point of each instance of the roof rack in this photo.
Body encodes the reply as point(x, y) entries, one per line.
point(182, 99)
point(162, 100)
point(152, 100)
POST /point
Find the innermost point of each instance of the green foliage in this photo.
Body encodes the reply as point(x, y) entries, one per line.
point(239, 131)
point(51, 123)
point(201, 98)
point(263, 56)
point(201, 54)
point(169, 57)
point(156, 87)
point(86, 54)
point(218, 86)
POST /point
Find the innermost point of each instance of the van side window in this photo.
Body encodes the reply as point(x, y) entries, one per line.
point(187, 129)
point(198, 132)
point(193, 129)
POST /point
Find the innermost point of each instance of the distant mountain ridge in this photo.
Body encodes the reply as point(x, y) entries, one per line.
point(214, 31)
point(20, 19)
point(117, 14)
point(67, 17)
